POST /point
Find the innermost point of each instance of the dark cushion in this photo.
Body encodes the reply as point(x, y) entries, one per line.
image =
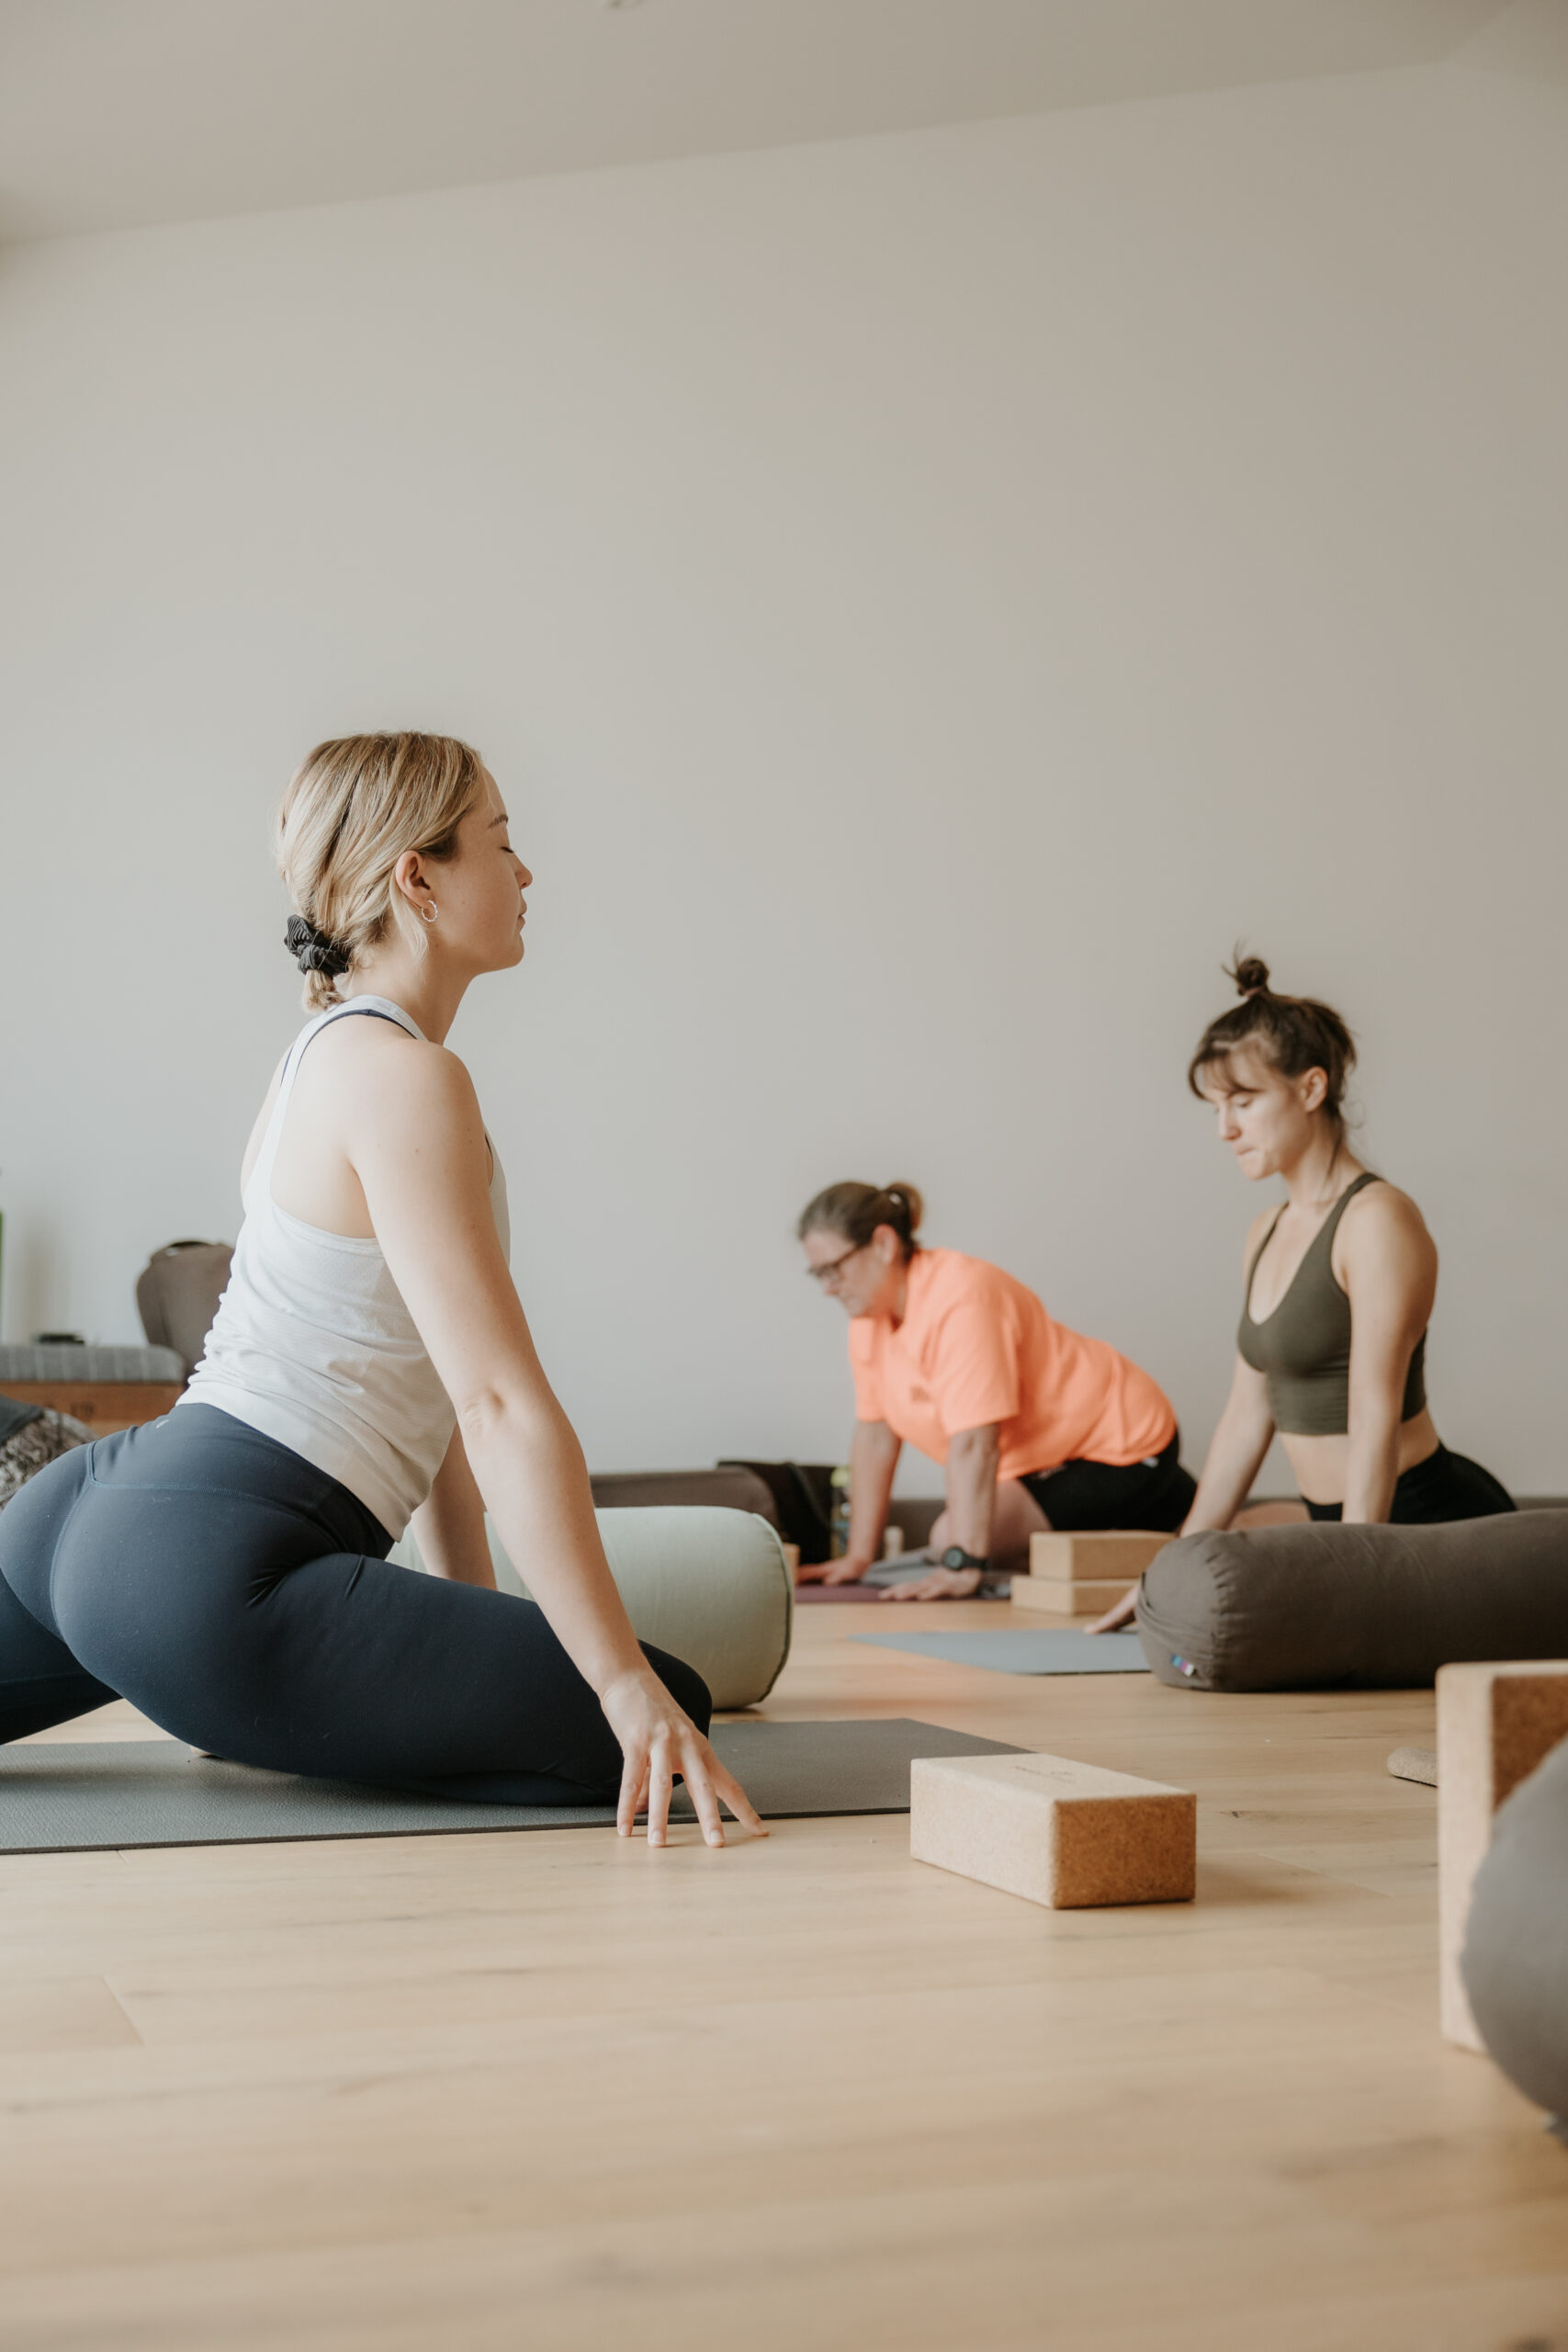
point(1516, 1951)
point(176, 1296)
point(732, 1487)
point(1305, 1607)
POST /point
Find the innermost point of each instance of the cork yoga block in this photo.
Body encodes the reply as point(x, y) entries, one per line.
point(1495, 1723)
point(1101, 1555)
point(1055, 1599)
point(1070, 1836)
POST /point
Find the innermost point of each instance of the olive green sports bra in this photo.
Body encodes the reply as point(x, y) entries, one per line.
point(1303, 1349)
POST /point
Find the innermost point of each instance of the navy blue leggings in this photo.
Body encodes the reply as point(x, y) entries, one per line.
point(244, 1601)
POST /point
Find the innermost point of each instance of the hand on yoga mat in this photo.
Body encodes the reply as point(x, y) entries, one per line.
point(1120, 1613)
point(939, 1584)
point(658, 1740)
point(847, 1570)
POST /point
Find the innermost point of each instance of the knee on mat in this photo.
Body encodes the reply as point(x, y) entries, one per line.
point(685, 1684)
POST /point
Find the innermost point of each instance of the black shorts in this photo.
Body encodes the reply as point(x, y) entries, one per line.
point(1081, 1496)
point(1446, 1486)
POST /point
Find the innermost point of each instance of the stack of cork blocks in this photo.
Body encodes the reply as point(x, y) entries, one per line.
point(1084, 1575)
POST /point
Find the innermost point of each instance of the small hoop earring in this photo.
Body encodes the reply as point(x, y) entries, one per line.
point(428, 910)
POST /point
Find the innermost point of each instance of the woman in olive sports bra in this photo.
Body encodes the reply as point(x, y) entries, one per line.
point(1340, 1280)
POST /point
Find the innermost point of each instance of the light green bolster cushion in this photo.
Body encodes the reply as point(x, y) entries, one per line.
point(711, 1587)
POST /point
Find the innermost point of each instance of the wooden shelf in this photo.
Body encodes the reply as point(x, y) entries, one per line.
point(105, 1405)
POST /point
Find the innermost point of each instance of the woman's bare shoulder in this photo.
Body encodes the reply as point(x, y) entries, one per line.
point(361, 1053)
point(1382, 1208)
point(385, 1098)
point(1381, 1230)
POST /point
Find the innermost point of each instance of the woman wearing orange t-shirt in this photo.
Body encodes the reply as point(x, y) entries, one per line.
point(1038, 1426)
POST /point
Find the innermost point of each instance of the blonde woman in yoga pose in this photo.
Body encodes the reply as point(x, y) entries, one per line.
point(225, 1568)
point(1339, 1286)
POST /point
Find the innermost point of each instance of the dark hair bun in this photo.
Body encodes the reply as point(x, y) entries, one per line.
point(856, 1210)
point(1293, 1034)
point(907, 1198)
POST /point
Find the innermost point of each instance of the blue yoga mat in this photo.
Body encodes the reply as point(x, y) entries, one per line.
point(1035, 1651)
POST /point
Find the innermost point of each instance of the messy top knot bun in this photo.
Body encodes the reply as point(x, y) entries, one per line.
point(1293, 1034)
point(855, 1211)
point(1250, 974)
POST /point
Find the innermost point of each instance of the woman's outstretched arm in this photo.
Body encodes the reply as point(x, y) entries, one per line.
point(972, 1456)
point(1235, 1455)
point(1242, 1436)
point(418, 1147)
point(873, 1458)
point(1390, 1276)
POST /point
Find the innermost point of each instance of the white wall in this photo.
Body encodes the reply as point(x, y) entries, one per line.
point(924, 598)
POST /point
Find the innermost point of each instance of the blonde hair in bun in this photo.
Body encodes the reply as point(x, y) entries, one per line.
point(353, 808)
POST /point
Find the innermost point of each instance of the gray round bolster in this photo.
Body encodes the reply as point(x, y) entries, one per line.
point(1302, 1608)
point(710, 1586)
point(1516, 1949)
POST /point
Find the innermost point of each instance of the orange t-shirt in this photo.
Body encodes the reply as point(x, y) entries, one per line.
point(977, 1346)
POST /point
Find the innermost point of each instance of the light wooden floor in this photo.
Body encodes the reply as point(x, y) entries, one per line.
point(556, 2092)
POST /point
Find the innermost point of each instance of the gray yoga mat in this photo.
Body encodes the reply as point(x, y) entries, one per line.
point(1415, 1764)
point(1034, 1651)
point(66, 1797)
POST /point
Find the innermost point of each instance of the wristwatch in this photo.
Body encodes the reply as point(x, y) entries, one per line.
point(955, 1557)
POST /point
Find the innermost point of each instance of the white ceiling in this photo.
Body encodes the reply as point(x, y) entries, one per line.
point(117, 113)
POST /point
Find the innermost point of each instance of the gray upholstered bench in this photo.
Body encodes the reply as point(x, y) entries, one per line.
point(107, 1389)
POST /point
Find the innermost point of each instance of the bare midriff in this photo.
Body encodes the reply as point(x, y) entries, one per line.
point(1322, 1464)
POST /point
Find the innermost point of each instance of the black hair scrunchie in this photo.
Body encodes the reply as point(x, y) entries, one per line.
point(312, 949)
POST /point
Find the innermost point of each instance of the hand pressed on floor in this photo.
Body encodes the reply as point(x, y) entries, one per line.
point(846, 1570)
point(658, 1740)
point(939, 1584)
point(1120, 1613)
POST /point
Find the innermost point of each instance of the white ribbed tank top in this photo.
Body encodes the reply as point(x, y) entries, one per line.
point(313, 1344)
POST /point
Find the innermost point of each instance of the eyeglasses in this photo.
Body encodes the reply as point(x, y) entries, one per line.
point(836, 1265)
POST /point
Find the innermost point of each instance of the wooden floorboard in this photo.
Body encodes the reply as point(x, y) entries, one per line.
point(556, 2091)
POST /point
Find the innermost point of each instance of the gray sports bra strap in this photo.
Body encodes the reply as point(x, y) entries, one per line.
point(1330, 1225)
point(1260, 1249)
point(1322, 1242)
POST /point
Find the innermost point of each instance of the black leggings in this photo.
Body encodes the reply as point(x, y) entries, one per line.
point(1083, 1494)
point(244, 1601)
point(1446, 1486)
